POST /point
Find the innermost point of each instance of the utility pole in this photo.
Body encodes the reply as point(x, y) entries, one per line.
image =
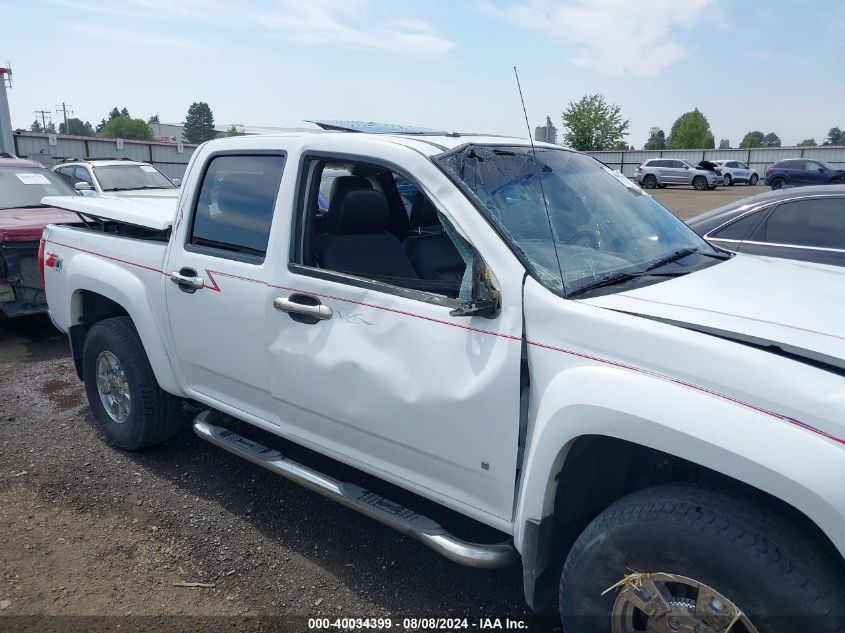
point(65, 110)
point(6, 142)
point(43, 114)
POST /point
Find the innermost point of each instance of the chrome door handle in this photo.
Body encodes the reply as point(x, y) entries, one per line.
point(185, 280)
point(319, 311)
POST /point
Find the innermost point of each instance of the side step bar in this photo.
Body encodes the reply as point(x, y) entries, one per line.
point(352, 496)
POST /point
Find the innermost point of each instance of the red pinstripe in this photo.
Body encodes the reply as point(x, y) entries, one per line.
point(216, 288)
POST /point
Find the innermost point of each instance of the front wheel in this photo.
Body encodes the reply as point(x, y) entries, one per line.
point(753, 180)
point(700, 183)
point(693, 559)
point(728, 180)
point(129, 407)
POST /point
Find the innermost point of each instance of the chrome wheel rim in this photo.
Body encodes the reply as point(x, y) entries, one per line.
point(113, 387)
point(668, 603)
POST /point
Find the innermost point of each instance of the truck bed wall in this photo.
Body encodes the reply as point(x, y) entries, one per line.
point(125, 270)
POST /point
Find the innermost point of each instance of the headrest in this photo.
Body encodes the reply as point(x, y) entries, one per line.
point(423, 212)
point(245, 193)
point(342, 183)
point(354, 211)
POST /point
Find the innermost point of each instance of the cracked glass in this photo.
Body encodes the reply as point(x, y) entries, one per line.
point(573, 220)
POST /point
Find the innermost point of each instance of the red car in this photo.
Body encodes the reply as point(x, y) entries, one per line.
point(22, 218)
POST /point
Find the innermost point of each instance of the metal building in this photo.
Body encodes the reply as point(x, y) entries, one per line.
point(546, 133)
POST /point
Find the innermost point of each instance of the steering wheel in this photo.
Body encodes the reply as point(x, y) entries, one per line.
point(584, 238)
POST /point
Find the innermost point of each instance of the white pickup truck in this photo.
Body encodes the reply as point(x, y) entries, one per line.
point(519, 334)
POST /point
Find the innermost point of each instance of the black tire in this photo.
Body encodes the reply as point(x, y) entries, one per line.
point(650, 181)
point(663, 186)
point(699, 183)
point(755, 557)
point(777, 183)
point(753, 180)
point(729, 182)
point(153, 413)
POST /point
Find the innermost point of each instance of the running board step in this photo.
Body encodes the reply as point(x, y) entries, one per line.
point(364, 501)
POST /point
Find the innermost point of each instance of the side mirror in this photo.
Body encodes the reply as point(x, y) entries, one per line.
point(686, 166)
point(821, 170)
point(485, 297)
point(82, 186)
point(177, 181)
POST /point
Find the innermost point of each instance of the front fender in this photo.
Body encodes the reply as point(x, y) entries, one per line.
point(800, 467)
point(124, 287)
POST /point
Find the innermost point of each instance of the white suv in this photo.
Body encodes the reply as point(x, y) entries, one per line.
point(736, 171)
point(118, 177)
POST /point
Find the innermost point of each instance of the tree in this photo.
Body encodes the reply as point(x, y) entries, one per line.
point(51, 128)
point(125, 112)
point(114, 113)
point(199, 124)
point(233, 131)
point(724, 144)
point(691, 130)
point(752, 139)
point(101, 126)
point(154, 119)
point(592, 124)
point(808, 142)
point(835, 137)
point(770, 140)
point(76, 127)
point(656, 140)
point(125, 127)
point(36, 126)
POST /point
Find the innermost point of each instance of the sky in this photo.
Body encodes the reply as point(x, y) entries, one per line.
point(769, 65)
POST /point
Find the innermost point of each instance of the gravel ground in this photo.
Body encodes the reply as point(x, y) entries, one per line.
point(686, 202)
point(90, 530)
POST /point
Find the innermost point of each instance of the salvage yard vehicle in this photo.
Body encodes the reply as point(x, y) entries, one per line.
point(117, 177)
point(800, 172)
point(806, 223)
point(537, 346)
point(22, 219)
point(662, 172)
point(734, 171)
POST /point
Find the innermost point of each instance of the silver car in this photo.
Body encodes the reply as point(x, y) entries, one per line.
point(662, 172)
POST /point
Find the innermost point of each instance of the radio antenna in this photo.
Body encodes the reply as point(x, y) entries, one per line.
point(539, 178)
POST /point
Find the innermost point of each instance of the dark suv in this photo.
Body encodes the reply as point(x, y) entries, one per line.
point(802, 171)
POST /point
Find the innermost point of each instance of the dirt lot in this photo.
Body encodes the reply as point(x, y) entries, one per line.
point(89, 530)
point(686, 202)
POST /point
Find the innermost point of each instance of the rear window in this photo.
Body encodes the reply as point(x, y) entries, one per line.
point(234, 209)
point(25, 186)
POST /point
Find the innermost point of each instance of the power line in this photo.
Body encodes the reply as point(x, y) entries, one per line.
point(43, 114)
point(65, 110)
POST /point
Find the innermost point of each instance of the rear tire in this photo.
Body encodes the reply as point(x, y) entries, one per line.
point(757, 559)
point(699, 183)
point(753, 180)
point(777, 183)
point(650, 181)
point(129, 407)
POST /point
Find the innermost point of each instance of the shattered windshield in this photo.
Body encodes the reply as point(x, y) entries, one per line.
point(598, 223)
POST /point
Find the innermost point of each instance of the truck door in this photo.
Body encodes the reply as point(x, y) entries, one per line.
point(369, 361)
point(218, 301)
